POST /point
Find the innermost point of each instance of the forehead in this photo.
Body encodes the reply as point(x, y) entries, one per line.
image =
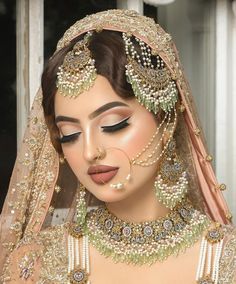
point(99, 94)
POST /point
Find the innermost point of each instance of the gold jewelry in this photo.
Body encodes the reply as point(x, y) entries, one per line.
point(209, 259)
point(121, 184)
point(77, 73)
point(101, 153)
point(151, 158)
point(153, 86)
point(62, 159)
point(145, 242)
point(81, 209)
point(171, 184)
point(78, 267)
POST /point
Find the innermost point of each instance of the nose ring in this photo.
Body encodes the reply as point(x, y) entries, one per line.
point(101, 153)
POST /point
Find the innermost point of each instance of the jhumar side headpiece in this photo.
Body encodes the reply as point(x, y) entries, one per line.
point(153, 86)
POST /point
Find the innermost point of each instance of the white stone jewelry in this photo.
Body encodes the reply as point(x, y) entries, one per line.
point(145, 242)
point(121, 184)
point(153, 87)
point(77, 72)
point(208, 266)
point(78, 271)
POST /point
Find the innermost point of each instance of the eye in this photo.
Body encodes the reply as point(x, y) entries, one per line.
point(69, 138)
point(117, 126)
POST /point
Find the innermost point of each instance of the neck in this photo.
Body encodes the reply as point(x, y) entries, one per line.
point(144, 206)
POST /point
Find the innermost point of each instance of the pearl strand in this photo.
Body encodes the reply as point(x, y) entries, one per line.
point(142, 162)
point(74, 254)
point(83, 265)
point(156, 147)
point(209, 259)
point(215, 271)
point(69, 253)
point(207, 248)
point(77, 260)
point(87, 256)
point(202, 257)
point(152, 139)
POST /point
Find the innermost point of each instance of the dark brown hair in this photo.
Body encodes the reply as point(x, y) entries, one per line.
point(108, 51)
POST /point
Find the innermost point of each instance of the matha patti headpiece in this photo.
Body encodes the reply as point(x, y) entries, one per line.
point(77, 73)
point(152, 86)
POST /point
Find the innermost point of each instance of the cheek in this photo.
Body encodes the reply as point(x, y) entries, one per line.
point(138, 135)
point(72, 156)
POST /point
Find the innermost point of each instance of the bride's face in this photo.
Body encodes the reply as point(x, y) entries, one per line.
point(100, 120)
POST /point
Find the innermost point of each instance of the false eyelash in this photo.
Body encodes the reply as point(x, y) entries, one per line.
point(116, 127)
point(110, 128)
point(69, 138)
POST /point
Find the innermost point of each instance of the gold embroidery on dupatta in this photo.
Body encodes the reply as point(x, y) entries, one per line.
point(26, 264)
point(54, 256)
point(227, 271)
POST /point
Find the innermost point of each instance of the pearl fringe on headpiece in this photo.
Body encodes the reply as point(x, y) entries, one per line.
point(153, 86)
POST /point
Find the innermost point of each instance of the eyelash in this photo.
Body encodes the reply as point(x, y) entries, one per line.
point(112, 128)
point(69, 138)
point(108, 129)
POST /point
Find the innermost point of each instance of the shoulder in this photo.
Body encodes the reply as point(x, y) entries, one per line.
point(228, 258)
point(40, 256)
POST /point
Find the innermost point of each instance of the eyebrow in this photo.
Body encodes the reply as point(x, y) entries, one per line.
point(93, 114)
point(105, 108)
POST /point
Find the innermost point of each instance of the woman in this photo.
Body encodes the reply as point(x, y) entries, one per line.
point(123, 190)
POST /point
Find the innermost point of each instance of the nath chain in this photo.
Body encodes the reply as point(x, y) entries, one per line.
point(144, 162)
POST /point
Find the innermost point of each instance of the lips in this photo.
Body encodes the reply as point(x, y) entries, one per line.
point(102, 173)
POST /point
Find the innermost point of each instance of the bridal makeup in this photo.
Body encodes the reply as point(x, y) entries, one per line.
point(99, 118)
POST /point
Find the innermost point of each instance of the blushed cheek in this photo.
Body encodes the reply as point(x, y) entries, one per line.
point(73, 158)
point(137, 138)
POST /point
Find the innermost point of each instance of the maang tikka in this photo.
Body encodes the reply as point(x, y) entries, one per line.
point(78, 72)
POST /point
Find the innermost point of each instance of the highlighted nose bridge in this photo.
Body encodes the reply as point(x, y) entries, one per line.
point(90, 146)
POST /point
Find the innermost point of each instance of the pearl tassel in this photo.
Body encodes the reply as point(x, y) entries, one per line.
point(74, 254)
point(87, 255)
point(84, 252)
point(206, 249)
point(209, 257)
point(202, 258)
point(69, 254)
point(77, 261)
point(215, 272)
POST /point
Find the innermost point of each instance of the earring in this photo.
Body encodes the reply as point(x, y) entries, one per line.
point(62, 159)
point(81, 209)
point(171, 184)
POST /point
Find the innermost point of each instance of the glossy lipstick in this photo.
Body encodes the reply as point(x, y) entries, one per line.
point(102, 174)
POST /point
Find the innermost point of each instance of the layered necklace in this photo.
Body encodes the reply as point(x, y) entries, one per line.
point(145, 242)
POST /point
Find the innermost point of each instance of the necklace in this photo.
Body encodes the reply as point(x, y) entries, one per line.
point(145, 242)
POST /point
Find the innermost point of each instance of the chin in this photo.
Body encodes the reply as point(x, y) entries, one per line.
point(110, 195)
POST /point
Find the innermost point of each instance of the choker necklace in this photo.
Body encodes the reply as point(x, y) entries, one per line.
point(145, 242)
